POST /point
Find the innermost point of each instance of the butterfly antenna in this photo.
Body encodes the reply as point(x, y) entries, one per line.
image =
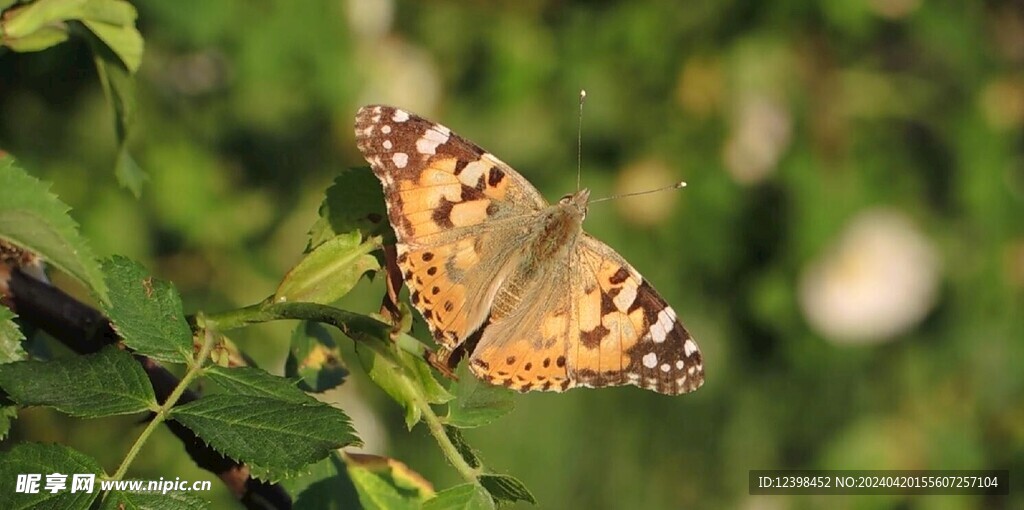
point(579, 141)
point(680, 184)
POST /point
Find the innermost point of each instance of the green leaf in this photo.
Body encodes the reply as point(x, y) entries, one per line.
point(461, 497)
point(355, 202)
point(330, 270)
point(384, 483)
point(276, 438)
point(33, 218)
point(115, 75)
point(405, 378)
point(22, 21)
point(467, 452)
point(8, 413)
point(125, 500)
point(45, 37)
point(315, 358)
point(129, 174)
point(106, 383)
point(10, 338)
point(147, 312)
point(325, 485)
point(255, 382)
point(505, 488)
point(125, 41)
point(477, 403)
point(46, 459)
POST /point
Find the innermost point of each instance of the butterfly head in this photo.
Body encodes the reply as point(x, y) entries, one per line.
point(576, 202)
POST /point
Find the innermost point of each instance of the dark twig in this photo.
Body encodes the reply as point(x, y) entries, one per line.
point(85, 330)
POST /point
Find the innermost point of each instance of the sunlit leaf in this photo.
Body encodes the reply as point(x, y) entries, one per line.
point(355, 202)
point(147, 312)
point(330, 270)
point(315, 358)
point(384, 483)
point(406, 379)
point(10, 338)
point(34, 219)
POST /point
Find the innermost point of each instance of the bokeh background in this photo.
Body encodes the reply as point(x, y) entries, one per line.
point(849, 252)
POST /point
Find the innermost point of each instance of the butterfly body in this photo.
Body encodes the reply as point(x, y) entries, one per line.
point(511, 281)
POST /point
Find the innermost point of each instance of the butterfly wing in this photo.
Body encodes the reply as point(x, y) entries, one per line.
point(601, 324)
point(455, 210)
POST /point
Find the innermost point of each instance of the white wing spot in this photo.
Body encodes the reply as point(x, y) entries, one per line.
point(624, 299)
point(400, 159)
point(680, 365)
point(650, 360)
point(400, 116)
point(386, 129)
point(665, 367)
point(666, 320)
point(473, 172)
point(427, 144)
point(387, 145)
point(689, 347)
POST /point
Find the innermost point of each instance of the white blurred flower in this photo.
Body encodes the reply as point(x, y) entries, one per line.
point(879, 280)
point(370, 18)
point(761, 132)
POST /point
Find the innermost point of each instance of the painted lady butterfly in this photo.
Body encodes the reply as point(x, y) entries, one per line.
point(511, 281)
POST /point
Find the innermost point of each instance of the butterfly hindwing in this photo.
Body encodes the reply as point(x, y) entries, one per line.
point(534, 302)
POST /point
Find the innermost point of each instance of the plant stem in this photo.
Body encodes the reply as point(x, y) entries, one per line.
point(163, 412)
point(468, 473)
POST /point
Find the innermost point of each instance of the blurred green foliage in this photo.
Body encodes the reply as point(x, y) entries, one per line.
point(788, 119)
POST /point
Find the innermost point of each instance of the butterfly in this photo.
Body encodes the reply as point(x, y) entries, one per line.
point(511, 282)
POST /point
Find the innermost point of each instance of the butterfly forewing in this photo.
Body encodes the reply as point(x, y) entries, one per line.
point(547, 309)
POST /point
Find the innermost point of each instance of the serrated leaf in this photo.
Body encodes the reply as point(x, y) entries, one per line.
point(45, 37)
point(8, 413)
point(315, 358)
point(146, 312)
point(33, 218)
point(10, 338)
point(467, 452)
point(106, 383)
point(477, 403)
point(461, 497)
point(506, 488)
point(406, 379)
point(258, 383)
point(384, 483)
point(355, 202)
point(275, 438)
point(45, 459)
point(326, 484)
point(330, 270)
point(126, 500)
